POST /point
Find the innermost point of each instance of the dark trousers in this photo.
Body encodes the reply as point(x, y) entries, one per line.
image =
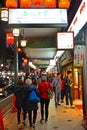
point(18, 113)
point(19, 109)
point(32, 115)
point(68, 94)
point(62, 94)
point(44, 108)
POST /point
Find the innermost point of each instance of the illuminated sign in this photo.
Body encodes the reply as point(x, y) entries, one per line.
point(65, 40)
point(56, 17)
point(80, 18)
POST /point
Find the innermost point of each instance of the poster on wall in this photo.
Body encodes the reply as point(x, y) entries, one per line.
point(78, 55)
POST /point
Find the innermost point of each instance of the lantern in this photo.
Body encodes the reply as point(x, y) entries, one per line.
point(64, 4)
point(11, 3)
point(25, 3)
point(38, 3)
point(4, 14)
point(10, 38)
point(25, 61)
point(50, 3)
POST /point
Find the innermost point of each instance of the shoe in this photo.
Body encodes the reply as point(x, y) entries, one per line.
point(33, 125)
point(24, 123)
point(72, 106)
point(56, 105)
point(67, 106)
point(59, 104)
point(46, 121)
point(42, 120)
point(18, 124)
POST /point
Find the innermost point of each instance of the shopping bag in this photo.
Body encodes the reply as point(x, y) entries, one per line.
point(50, 93)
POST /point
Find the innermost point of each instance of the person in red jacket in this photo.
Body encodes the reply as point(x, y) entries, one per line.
point(62, 89)
point(45, 100)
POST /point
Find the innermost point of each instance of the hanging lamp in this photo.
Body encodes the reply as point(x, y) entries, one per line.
point(64, 4)
point(11, 4)
point(37, 3)
point(4, 14)
point(10, 38)
point(50, 3)
point(25, 3)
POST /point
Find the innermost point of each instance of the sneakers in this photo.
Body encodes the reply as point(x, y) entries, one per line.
point(33, 125)
point(18, 124)
point(72, 106)
point(24, 123)
point(42, 121)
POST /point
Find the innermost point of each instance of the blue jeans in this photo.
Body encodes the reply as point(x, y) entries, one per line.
point(57, 97)
point(69, 97)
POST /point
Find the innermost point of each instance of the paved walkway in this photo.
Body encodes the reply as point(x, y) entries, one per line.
point(60, 118)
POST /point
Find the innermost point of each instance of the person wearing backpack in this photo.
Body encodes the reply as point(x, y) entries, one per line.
point(32, 106)
point(45, 100)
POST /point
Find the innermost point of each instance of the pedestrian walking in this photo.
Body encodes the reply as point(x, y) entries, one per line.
point(57, 89)
point(19, 92)
point(45, 100)
point(32, 106)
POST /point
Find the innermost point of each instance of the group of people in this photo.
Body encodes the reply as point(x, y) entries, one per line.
point(22, 91)
point(61, 86)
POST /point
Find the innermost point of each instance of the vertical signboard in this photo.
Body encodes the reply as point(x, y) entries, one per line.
point(78, 55)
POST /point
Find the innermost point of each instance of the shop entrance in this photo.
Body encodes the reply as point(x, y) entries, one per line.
point(77, 83)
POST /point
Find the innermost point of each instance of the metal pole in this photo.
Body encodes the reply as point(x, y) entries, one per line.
point(16, 61)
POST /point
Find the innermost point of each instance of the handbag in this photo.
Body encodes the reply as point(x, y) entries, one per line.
point(50, 93)
point(33, 97)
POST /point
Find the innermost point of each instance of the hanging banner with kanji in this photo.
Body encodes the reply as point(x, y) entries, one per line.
point(78, 55)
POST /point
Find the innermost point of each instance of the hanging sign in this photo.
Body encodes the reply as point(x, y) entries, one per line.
point(78, 55)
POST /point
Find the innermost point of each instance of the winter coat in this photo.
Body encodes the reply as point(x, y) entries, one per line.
point(31, 105)
point(43, 89)
point(20, 94)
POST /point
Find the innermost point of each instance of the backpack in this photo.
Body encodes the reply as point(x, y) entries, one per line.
point(32, 97)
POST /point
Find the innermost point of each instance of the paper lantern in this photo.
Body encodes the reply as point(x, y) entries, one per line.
point(10, 38)
point(25, 3)
point(4, 14)
point(11, 3)
point(50, 3)
point(64, 4)
point(38, 3)
point(25, 61)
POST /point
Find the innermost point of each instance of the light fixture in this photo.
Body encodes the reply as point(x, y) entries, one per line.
point(25, 3)
point(4, 14)
point(23, 43)
point(64, 4)
point(49, 3)
point(16, 32)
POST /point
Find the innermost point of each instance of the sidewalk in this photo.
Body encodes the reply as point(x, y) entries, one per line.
point(60, 118)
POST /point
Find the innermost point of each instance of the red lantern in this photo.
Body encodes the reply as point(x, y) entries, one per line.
point(50, 3)
point(10, 38)
point(38, 3)
point(11, 3)
point(25, 3)
point(25, 61)
point(64, 4)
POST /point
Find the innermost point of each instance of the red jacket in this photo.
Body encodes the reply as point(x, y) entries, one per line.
point(43, 89)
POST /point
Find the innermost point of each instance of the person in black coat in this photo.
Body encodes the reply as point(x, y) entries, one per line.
point(19, 92)
point(31, 106)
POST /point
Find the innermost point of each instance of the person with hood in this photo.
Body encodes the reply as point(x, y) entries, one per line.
point(32, 106)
